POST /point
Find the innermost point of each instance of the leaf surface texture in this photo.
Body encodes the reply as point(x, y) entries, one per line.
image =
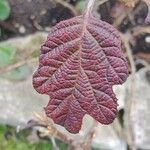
point(79, 63)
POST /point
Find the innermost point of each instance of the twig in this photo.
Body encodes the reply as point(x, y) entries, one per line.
point(119, 20)
point(55, 147)
point(130, 102)
point(143, 62)
point(16, 65)
point(90, 5)
point(118, 128)
point(143, 56)
point(125, 39)
point(86, 145)
point(52, 130)
point(129, 3)
point(101, 2)
point(37, 26)
point(140, 30)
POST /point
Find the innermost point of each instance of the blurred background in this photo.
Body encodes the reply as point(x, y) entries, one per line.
point(24, 25)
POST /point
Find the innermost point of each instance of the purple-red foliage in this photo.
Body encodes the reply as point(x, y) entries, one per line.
point(78, 65)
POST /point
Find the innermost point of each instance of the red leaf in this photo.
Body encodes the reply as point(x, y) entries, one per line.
point(79, 63)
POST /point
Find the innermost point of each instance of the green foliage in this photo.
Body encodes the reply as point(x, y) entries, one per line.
point(18, 73)
point(81, 5)
point(7, 53)
point(8, 57)
point(4, 9)
point(9, 140)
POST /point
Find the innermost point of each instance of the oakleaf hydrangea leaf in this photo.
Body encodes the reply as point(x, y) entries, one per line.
point(78, 65)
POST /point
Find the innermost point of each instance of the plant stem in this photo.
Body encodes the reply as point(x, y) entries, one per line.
point(89, 7)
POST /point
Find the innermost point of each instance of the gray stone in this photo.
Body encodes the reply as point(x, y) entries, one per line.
point(140, 113)
point(18, 101)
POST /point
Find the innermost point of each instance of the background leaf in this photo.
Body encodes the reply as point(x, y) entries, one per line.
point(7, 53)
point(81, 5)
point(8, 57)
point(4, 9)
point(19, 73)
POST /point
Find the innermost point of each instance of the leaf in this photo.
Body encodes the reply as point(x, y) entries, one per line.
point(4, 9)
point(19, 73)
point(81, 5)
point(79, 63)
point(6, 54)
point(7, 57)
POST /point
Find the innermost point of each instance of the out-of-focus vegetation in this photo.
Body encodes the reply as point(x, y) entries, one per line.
point(10, 140)
point(4, 9)
point(7, 57)
point(81, 5)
